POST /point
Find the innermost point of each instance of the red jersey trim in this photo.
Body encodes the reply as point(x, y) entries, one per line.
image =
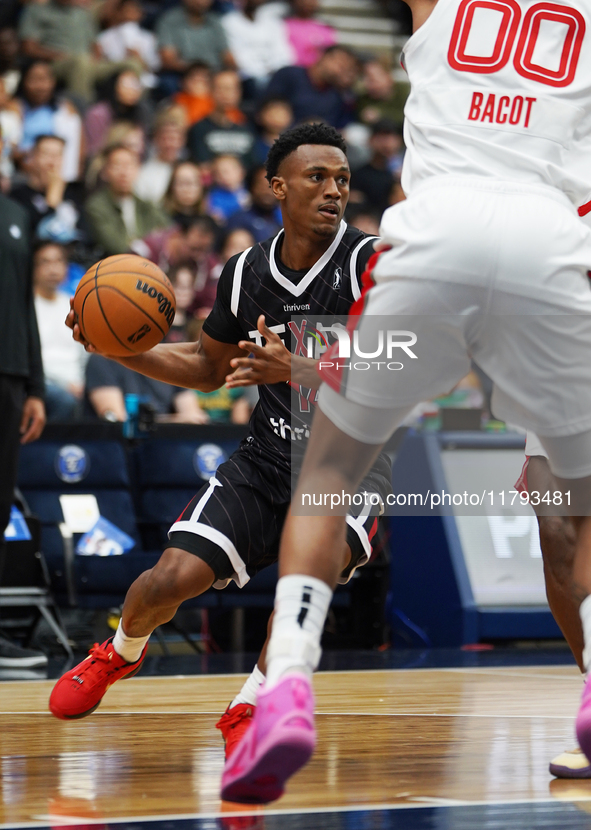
point(585, 209)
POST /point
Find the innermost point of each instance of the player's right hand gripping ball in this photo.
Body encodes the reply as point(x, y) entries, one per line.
point(124, 305)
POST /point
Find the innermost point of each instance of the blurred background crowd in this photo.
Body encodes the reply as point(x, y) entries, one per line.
point(130, 126)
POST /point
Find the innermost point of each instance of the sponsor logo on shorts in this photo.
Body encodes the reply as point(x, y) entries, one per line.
point(72, 463)
point(164, 305)
point(207, 459)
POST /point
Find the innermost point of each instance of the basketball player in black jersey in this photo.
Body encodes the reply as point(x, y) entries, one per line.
point(231, 529)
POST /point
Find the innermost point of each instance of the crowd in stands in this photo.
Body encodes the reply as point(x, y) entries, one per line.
point(142, 126)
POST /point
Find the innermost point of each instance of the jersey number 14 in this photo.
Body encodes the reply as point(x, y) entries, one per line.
point(477, 22)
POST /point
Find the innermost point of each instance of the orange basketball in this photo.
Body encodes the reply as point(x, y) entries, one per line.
point(125, 305)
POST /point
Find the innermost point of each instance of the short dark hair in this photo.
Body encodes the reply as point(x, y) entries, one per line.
point(252, 174)
point(204, 223)
point(386, 126)
point(291, 139)
point(185, 264)
point(40, 244)
point(197, 66)
point(340, 47)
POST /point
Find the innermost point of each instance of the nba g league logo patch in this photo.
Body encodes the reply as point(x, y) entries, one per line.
point(72, 463)
point(207, 459)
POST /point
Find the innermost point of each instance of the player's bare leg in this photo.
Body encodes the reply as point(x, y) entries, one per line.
point(152, 600)
point(154, 597)
point(557, 540)
point(237, 717)
point(580, 500)
point(275, 747)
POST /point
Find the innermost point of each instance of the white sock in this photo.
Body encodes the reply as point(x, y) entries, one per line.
point(248, 693)
point(585, 614)
point(301, 606)
point(130, 648)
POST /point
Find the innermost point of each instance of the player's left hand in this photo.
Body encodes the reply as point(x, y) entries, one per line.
point(32, 420)
point(71, 322)
point(270, 363)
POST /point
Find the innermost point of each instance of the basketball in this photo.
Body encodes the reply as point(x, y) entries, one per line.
point(124, 304)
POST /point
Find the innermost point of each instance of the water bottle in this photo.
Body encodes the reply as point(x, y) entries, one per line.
point(132, 407)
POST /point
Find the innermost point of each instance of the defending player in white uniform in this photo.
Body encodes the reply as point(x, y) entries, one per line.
point(486, 259)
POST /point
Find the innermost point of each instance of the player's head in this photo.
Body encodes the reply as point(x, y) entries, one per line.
point(309, 174)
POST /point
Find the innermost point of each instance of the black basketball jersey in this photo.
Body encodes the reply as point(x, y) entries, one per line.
point(256, 282)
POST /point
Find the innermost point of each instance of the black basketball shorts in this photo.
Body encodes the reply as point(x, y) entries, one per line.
point(234, 523)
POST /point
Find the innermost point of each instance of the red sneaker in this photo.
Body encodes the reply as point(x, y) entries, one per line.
point(78, 692)
point(234, 723)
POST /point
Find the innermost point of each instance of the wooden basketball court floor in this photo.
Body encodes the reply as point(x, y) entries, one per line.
point(421, 748)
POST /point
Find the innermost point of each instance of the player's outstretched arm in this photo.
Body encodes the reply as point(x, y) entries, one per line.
point(271, 363)
point(202, 365)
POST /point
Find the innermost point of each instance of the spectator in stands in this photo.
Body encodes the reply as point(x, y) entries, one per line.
point(122, 132)
point(117, 219)
point(44, 113)
point(273, 117)
point(107, 384)
point(259, 43)
point(182, 276)
point(121, 99)
point(365, 218)
point(375, 180)
point(168, 145)
point(218, 133)
point(227, 193)
point(185, 195)
point(198, 246)
point(223, 406)
point(227, 406)
point(187, 33)
point(234, 242)
point(11, 128)
point(195, 94)
point(308, 37)
point(127, 39)
point(382, 97)
point(63, 359)
point(10, 59)
point(321, 91)
point(193, 240)
point(54, 205)
point(63, 31)
point(397, 194)
point(263, 218)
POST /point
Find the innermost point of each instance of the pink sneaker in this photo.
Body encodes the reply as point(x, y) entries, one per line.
point(279, 741)
point(584, 721)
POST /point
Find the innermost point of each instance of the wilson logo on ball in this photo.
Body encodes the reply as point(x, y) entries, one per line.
point(164, 305)
point(137, 335)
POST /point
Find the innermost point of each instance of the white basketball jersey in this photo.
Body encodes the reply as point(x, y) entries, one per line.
point(502, 88)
